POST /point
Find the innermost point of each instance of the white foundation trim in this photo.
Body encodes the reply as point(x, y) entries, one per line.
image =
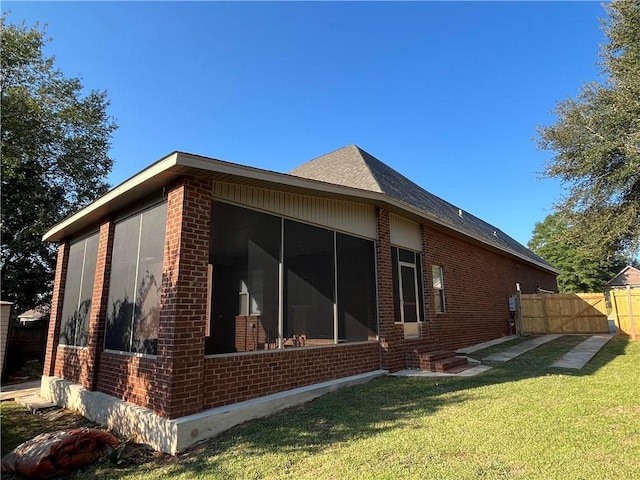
point(173, 436)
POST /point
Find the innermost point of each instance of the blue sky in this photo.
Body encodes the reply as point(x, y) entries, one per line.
point(447, 93)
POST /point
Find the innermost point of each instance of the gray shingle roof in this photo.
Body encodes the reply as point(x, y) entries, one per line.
point(353, 167)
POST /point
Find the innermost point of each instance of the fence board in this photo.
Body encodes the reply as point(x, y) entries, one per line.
point(626, 306)
point(558, 313)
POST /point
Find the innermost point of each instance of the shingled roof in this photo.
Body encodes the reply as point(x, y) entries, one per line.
point(353, 167)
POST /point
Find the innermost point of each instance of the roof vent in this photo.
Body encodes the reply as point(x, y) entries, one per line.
point(460, 212)
point(495, 233)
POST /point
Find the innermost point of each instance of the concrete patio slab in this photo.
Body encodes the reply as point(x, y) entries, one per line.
point(517, 350)
point(580, 355)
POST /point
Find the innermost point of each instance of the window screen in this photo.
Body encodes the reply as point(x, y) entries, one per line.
point(136, 278)
point(78, 292)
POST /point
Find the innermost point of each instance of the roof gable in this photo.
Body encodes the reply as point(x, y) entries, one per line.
point(352, 166)
point(628, 276)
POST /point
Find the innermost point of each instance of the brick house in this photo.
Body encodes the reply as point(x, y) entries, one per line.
point(629, 276)
point(200, 289)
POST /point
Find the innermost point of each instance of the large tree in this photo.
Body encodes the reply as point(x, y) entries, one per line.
point(580, 270)
point(596, 140)
point(55, 143)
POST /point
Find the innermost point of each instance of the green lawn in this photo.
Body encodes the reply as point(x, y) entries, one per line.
point(521, 420)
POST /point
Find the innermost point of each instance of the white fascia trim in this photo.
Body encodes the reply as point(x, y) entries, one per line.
point(213, 165)
point(160, 166)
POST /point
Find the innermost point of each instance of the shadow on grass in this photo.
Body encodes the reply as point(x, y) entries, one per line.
point(355, 413)
point(372, 409)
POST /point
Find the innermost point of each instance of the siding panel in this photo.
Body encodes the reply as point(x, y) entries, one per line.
point(354, 218)
point(405, 233)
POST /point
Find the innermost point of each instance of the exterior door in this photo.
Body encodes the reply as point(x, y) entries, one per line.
point(409, 311)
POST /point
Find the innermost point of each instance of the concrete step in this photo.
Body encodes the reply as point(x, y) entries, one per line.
point(446, 365)
point(433, 356)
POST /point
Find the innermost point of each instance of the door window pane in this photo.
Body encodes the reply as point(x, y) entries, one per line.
point(409, 303)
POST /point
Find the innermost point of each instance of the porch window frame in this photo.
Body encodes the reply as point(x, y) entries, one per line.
point(281, 304)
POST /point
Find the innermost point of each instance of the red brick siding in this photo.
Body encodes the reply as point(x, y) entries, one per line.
point(62, 263)
point(234, 378)
point(98, 306)
point(179, 368)
point(70, 362)
point(127, 377)
point(477, 285)
point(181, 381)
point(390, 333)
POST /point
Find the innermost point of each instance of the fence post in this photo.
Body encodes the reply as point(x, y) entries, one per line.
point(520, 319)
point(632, 323)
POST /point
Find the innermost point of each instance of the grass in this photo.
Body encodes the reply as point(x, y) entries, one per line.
point(19, 425)
point(521, 420)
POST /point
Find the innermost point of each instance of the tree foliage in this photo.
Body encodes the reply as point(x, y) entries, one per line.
point(580, 270)
point(596, 140)
point(54, 147)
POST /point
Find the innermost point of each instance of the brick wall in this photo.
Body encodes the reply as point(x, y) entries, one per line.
point(234, 378)
point(69, 363)
point(181, 381)
point(127, 377)
point(477, 285)
point(99, 306)
point(391, 334)
point(183, 305)
point(62, 262)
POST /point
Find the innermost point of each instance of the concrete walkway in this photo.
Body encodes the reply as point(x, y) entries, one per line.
point(582, 353)
point(470, 372)
point(517, 350)
point(483, 345)
point(23, 389)
point(26, 394)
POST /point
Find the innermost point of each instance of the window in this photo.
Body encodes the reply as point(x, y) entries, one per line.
point(281, 283)
point(78, 292)
point(133, 314)
point(309, 284)
point(244, 252)
point(438, 288)
point(356, 273)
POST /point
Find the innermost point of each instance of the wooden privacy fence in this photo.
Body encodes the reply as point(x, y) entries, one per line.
point(626, 311)
point(559, 313)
